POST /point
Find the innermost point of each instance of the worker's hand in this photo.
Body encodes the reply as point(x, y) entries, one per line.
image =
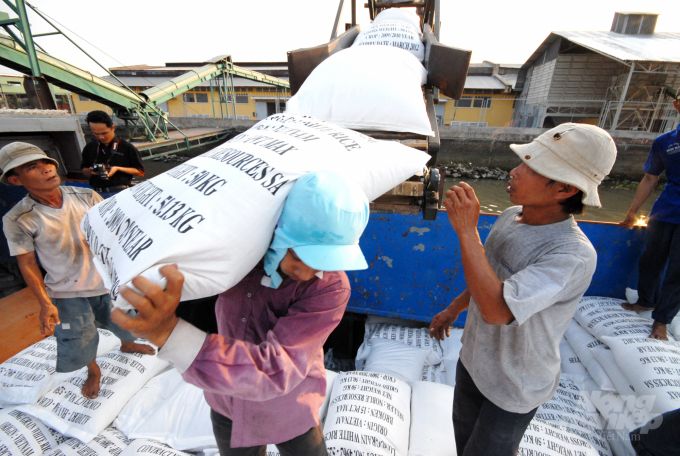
point(49, 318)
point(113, 170)
point(88, 172)
point(462, 207)
point(155, 317)
point(441, 323)
point(629, 220)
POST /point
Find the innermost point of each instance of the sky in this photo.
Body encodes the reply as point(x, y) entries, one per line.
point(153, 32)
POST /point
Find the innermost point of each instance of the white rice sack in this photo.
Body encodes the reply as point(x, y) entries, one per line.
point(395, 359)
point(369, 413)
point(182, 421)
point(452, 346)
point(415, 337)
point(569, 360)
point(433, 374)
point(652, 367)
point(547, 439)
point(572, 408)
point(396, 33)
point(431, 420)
point(605, 358)
point(581, 341)
point(366, 88)
point(145, 447)
point(323, 410)
point(399, 14)
point(111, 442)
point(272, 451)
point(214, 215)
point(23, 435)
point(26, 376)
point(605, 317)
point(147, 400)
point(68, 411)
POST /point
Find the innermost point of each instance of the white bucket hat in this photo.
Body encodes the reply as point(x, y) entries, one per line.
point(16, 154)
point(576, 154)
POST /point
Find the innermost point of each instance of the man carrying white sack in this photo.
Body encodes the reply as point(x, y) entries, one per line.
point(523, 286)
point(72, 295)
point(263, 374)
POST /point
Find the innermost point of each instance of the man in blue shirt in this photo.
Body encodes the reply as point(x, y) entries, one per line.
point(662, 293)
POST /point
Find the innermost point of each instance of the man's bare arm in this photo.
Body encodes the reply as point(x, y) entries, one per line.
point(484, 286)
point(49, 316)
point(646, 187)
point(441, 323)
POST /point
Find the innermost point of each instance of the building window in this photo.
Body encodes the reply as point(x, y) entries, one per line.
point(241, 99)
point(13, 83)
point(83, 98)
point(482, 102)
point(201, 98)
point(465, 102)
point(188, 98)
point(195, 97)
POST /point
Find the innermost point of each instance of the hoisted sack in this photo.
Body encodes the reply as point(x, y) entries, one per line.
point(368, 413)
point(111, 442)
point(26, 376)
point(23, 435)
point(215, 214)
point(68, 411)
point(395, 33)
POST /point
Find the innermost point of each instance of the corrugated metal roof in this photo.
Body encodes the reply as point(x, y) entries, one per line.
point(152, 81)
point(508, 79)
point(483, 82)
point(658, 47)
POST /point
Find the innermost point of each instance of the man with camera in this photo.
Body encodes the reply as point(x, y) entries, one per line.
point(109, 161)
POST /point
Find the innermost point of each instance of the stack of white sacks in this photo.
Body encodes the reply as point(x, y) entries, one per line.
point(399, 402)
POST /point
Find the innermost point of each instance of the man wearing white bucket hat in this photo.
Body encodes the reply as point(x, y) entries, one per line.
point(72, 294)
point(263, 374)
point(523, 285)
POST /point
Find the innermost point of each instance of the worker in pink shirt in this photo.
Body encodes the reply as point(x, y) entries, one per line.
point(263, 374)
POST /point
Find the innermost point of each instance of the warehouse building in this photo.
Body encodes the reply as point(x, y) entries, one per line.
point(618, 80)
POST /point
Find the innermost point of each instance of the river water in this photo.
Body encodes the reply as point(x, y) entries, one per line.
point(494, 199)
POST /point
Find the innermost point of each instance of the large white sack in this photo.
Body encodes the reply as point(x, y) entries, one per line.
point(395, 33)
point(323, 410)
point(399, 14)
point(145, 401)
point(452, 346)
point(652, 367)
point(182, 421)
point(69, 412)
point(215, 214)
point(572, 408)
point(581, 341)
point(415, 337)
point(404, 362)
point(368, 413)
point(24, 435)
point(570, 363)
point(111, 442)
point(547, 439)
point(145, 447)
point(431, 420)
point(605, 358)
point(26, 376)
point(605, 317)
point(366, 88)
point(433, 374)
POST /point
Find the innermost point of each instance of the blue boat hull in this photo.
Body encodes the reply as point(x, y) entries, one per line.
point(415, 267)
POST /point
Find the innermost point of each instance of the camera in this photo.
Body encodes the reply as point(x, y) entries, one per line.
point(102, 170)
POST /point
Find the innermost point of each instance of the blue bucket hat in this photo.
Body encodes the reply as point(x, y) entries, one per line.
point(322, 221)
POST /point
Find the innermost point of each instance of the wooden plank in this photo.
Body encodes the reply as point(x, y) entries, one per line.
point(19, 323)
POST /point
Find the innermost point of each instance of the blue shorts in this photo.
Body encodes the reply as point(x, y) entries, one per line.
point(77, 336)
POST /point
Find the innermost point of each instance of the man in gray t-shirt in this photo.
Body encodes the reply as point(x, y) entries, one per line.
point(72, 295)
point(523, 286)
